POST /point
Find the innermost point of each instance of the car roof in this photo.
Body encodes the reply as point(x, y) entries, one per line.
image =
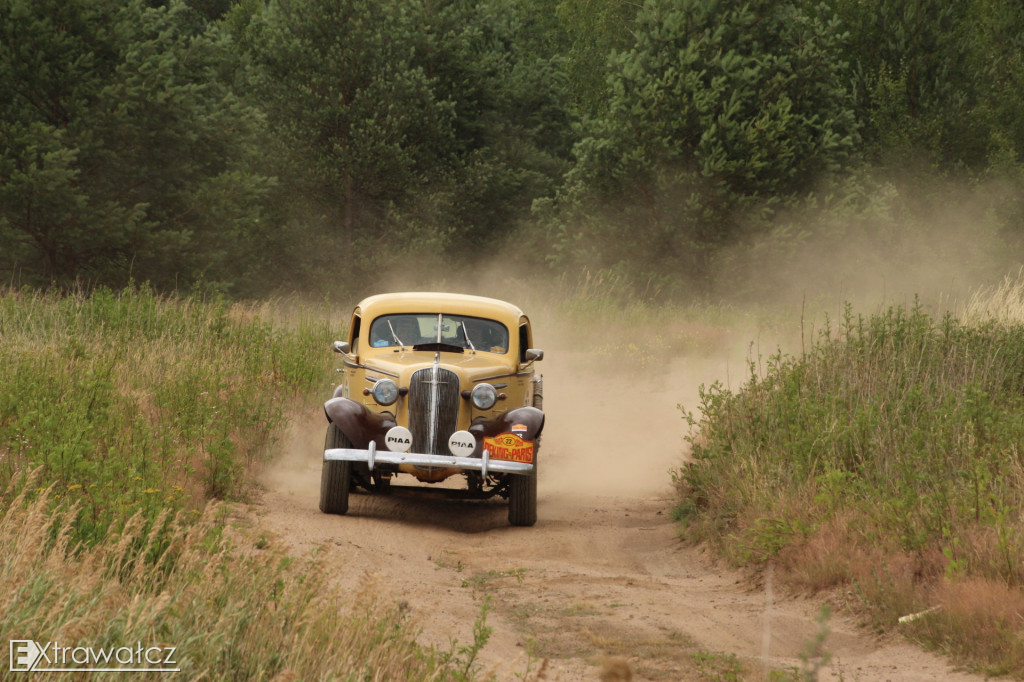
point(437, 302)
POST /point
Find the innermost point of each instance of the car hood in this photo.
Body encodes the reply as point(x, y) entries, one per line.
point(469, 366)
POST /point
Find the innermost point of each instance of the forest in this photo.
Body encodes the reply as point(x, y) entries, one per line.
point(257, 147)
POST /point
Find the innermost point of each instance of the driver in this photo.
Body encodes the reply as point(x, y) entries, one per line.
point(406, 329)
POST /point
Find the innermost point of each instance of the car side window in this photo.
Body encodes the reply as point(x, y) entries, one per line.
point(353, 335)
point(524, 342)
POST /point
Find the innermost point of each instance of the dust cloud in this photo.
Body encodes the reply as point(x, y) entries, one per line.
point(603, 567)
point(295, 472)
point(612, 399)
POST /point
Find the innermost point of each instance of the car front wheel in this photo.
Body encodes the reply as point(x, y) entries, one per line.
point(336, 476)
point(522, 497)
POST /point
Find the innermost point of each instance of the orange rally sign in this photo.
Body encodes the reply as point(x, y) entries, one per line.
point(509, 447)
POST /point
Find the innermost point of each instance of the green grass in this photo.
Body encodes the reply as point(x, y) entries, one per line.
point(885, 458)
point(128, 401)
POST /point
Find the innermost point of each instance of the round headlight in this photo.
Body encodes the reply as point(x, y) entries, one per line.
point(385, 392)
point(484, 396)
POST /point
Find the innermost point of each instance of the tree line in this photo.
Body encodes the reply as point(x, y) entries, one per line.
point(258, 146)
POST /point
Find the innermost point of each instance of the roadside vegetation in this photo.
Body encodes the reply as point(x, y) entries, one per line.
point(197, 584)
point(881, 466)
point(129, 423)
point(131, 402)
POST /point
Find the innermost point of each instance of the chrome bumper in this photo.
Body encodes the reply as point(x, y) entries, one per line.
point(372, 456)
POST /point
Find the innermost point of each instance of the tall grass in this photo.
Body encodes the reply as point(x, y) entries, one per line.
point(129, 401)
point(1002, 304)
point(885, 459)
point(231, 612)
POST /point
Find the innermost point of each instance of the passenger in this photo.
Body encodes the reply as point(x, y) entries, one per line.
point(405, 331)
point(400, 330)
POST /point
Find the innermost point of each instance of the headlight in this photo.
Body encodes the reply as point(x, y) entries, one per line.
point(484, 396)
point(385, 392)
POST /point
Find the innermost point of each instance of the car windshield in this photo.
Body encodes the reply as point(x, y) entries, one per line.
point(469, 333)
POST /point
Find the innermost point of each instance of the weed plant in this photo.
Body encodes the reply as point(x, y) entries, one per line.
point(129, 402)
point(886, 459)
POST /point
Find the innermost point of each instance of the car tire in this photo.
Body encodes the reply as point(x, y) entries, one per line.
point(522, 497)
point(336, 476)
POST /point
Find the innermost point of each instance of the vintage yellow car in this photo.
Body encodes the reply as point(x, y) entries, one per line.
point(436, 386)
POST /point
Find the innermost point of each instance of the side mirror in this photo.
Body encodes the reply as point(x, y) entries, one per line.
point(533, 354)
point(341, 347)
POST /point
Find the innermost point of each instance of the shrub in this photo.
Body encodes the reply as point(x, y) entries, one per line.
point(894, 441)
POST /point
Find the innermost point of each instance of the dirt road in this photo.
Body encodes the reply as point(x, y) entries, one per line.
point(602, 579)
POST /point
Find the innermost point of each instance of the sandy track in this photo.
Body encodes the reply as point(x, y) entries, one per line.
point(602, 574)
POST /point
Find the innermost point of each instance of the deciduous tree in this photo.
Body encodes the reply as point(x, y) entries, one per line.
point(718, 114)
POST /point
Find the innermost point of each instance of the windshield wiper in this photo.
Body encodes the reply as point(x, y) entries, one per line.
point(465, 333)
point(393, 334)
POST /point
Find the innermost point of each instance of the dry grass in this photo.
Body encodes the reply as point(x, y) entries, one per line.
point(232, 611)
point(979, 622)
point(1002, 303)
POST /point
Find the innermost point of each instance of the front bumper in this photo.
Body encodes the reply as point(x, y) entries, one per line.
point(484, 464)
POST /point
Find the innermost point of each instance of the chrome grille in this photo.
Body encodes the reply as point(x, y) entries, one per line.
point(433, 409)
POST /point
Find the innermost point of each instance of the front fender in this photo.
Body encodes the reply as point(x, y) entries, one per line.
point(359, 423)
point(530, 417)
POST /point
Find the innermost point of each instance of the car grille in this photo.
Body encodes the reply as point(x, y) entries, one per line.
point(433, 409)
